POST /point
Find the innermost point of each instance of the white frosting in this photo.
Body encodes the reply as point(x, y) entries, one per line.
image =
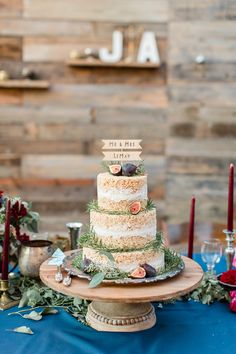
point(157, 262)
point(117, 195)
point(122, 231)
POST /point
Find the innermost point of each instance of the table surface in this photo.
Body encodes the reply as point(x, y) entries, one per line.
point(183, 327)
point(181, 284)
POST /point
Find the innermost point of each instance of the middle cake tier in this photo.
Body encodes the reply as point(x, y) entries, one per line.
point(126, 230)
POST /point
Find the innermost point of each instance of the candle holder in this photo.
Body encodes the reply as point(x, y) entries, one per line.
point(74, 231)
point(229, 251)
point(6, 301)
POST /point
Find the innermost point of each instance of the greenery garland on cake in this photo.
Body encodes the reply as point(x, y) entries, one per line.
point(93, 206)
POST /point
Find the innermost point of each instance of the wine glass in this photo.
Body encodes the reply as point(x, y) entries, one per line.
point(211, 252)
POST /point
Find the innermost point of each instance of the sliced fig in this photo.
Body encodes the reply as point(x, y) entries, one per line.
point(86, 263)
point(115, 170)
point(129, 169)
point(135, 208)
point(150, 271)
point(138, 273)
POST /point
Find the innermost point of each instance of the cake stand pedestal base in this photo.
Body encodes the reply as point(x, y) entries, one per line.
point(120, 317)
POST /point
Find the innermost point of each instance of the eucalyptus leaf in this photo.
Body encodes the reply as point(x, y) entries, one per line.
point(49, 311)
point(32, 226)
point(34, 297)
point(107, 254)
point(34, 215)
point(24, 300)
point(97, 279)
point(22, 329)
point(77, 301)
point(33, 315)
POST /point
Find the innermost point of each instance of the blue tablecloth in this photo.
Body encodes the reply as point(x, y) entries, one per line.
point(183, 327)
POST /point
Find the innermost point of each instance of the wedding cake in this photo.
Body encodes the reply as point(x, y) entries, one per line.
point(122, 233)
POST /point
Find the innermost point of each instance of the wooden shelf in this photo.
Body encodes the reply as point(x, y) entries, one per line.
point(120, 64)
point(25, 84)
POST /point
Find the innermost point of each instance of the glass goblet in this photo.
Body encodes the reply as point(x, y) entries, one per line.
point(211, 252)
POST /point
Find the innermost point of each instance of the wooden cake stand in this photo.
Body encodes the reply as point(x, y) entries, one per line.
point(125, 308)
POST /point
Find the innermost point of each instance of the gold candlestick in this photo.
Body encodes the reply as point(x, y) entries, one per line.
point(6, 301)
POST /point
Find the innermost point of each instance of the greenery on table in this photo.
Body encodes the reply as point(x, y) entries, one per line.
point(209, 291)
point(35, 294)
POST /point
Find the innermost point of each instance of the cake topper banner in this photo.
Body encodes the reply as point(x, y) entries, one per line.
point(122, 155)
point(129, 144)
point(125, 150)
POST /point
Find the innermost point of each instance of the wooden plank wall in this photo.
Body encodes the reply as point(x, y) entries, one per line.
point(50, 147)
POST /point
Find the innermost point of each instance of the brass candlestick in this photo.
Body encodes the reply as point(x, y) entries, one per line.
point(229, 251)
point(6, 301)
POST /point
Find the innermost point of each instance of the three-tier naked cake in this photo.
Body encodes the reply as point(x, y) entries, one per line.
point(122, 235)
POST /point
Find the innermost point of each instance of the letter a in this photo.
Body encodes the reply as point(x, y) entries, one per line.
point(148, 50)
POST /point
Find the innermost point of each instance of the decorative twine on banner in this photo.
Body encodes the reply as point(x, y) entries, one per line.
point(124, 150)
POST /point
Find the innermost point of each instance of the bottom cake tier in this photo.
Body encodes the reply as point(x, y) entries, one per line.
point(127, 261)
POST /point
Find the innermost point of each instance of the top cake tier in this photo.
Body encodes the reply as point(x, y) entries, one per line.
point(116, 193)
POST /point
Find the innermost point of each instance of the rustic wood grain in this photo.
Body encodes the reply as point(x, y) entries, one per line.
point(206, 10)
point(133, 10)
point(186, 281)
point(43, 27)
point(217, 47)
point(140, 96)
point(10, 97)
point(11, 8)
point(10, 47)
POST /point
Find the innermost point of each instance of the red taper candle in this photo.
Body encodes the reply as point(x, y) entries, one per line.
point(5, 251)
point(191, 228)
point(231, 199)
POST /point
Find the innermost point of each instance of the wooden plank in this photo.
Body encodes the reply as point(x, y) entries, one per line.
point(12, 97)
point(217, 47)
point(25, 84)
point(46, 183)
point(43, 27)
point(63, 166)
point(196, 112)
point(26, 115)
point(142, 96)
point(205, 10)
point(131, 11)
point(219, 148)
point(11, 8)
point(198, 165)
point(42, 147)
point(209, 190)
point(10, 47)
point(208, 94)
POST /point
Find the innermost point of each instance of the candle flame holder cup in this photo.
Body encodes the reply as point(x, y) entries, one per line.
point(6, 301)
point(229, 250)
point(74, 232)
